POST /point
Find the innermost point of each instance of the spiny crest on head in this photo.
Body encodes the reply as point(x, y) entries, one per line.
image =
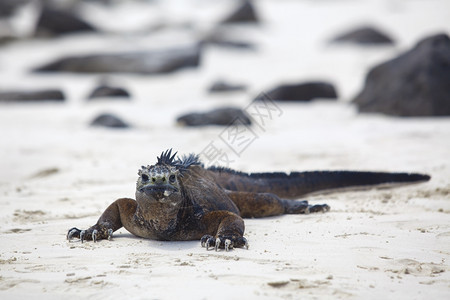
point(186, 161)
point(166, 158)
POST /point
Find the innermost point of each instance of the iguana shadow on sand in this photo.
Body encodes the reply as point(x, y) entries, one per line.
point(177, 199)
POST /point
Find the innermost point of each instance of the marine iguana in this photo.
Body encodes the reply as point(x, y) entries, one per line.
point(179, 199)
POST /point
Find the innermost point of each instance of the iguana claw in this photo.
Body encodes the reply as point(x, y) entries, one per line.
point(203, 240)
point(210, 242)
point(72, 232)
point(82, 234)
point(217, 245)
point(110, 234)
point(228, 245)
point(223, 242)
point(245, 243)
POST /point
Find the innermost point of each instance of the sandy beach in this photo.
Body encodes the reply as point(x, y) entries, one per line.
point(57, 172)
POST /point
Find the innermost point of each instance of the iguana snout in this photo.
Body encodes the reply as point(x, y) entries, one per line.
point(158, 190)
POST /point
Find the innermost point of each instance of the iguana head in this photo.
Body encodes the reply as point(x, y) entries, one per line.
point(161, 181)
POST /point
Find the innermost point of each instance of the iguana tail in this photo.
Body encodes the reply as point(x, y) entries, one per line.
point(297, 184)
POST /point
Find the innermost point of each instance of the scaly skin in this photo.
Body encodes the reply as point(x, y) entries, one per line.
point(178, 200)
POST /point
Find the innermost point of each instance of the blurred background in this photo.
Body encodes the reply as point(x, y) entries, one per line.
point(90, 90)
point(146, 65)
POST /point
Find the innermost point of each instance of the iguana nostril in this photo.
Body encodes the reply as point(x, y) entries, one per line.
point(159, 179)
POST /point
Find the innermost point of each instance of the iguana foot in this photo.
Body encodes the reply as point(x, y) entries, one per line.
point(303, 207)
point(223, 242)
point(319, 208)
point(89, 234)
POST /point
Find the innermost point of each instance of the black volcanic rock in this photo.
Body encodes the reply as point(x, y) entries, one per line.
point(245, 12)
point(222, 86)
point(416, 83)
point(228, 43)
point(109, 91)
point(31, 96)
point(365, 36)
point(151, 62)
point(109, 120)
point(223, 38)
point(221, 116)
point(9, 7)
point(7, 38)
point(302, 92)
point(58, 22)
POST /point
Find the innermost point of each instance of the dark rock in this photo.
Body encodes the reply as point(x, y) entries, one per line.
point(230, 44)
point(222, 86)
point(58, 22)
point(364, 35)
point(222, 40)
point(302, 92)
point(245, 12)
point(135, 62)
point(32, 96)
point(102, 2)
point(109, 120)
point(220, 116)
point(9, 7)
point(108, 91)
point(9, 28)
point(45, 173)
point(6, 39)
point(416, 83)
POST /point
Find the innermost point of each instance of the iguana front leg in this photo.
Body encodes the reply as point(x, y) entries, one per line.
point(225, 231)
point(118, 214)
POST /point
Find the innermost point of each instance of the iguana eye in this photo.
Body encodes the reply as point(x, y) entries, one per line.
point(144, 177)
point(172, 178)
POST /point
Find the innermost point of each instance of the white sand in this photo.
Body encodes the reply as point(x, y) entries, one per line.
point(56, 172)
